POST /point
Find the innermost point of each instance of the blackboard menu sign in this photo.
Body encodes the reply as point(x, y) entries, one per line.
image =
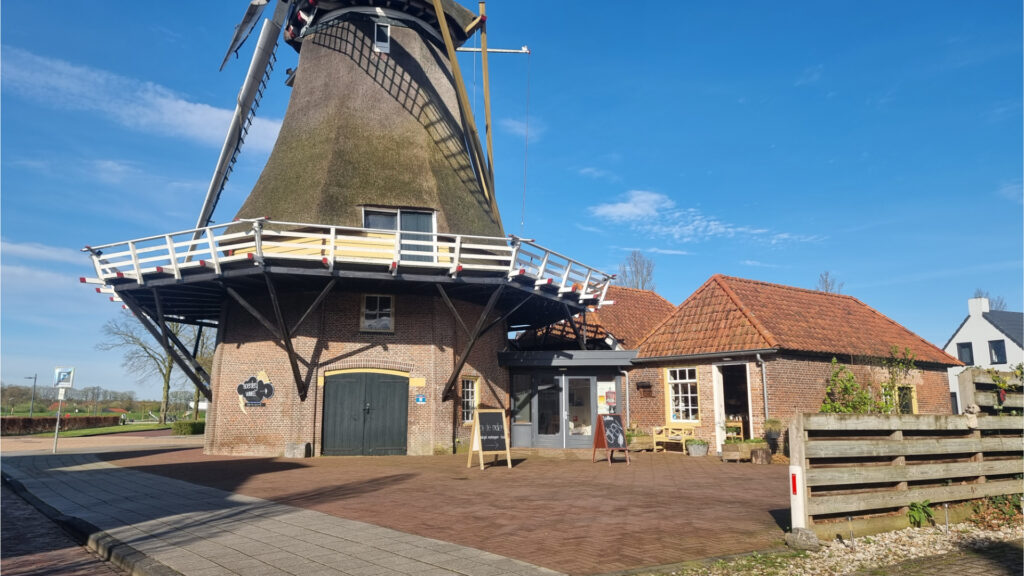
point(610, 435)
point(490, 436)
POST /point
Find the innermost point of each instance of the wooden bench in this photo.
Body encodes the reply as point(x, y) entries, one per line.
point(672, 433)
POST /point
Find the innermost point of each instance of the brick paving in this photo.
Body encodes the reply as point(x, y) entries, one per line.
point(32, 544)
point(567, 514)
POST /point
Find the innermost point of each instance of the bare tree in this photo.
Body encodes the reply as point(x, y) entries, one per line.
point(142, 355)
point(997, 303)
point(637, 271)
point(828, 283)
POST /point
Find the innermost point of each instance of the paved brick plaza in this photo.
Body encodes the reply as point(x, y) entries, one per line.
point(567, 514)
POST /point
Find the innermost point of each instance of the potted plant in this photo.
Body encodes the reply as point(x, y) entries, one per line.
point(696, 447)
point(772, 431)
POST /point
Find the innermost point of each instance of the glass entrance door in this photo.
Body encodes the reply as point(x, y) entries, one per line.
point(580, 412)
point(549, 412)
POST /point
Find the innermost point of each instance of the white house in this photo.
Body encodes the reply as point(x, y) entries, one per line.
point(987, 339)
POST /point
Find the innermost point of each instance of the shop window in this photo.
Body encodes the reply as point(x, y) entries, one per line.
point(521, 399)
point(469, 399)
point(378, 313)
point(965, 353)
point(682, 395)
point(997, 351)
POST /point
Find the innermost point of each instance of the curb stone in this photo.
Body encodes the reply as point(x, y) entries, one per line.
point(84, 533)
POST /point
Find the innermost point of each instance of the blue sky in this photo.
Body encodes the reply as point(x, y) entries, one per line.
point(880, 141)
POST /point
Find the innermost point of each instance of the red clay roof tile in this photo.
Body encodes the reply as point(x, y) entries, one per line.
point(730, 314)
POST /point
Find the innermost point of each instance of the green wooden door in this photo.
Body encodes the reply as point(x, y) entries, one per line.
point(365, 413)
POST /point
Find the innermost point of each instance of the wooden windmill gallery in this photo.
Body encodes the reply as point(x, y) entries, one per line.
point(366, 287)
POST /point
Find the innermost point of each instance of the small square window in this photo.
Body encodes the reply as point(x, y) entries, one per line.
point(997, 351)
point(965, 352)
point(377, 314)
point(382, 38)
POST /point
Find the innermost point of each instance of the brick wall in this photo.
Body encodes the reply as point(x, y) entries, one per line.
point(795, 384)
point(424, 344)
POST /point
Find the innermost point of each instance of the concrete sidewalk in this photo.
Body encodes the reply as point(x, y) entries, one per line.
point(158, 525)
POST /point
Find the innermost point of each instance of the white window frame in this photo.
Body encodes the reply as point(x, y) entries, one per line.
point(384, 47)
point(672, 378)
point(362, 315)
point(474, 402)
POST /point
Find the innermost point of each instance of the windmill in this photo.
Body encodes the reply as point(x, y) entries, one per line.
point(368, 267)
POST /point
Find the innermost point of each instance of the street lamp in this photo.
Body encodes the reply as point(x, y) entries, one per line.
point(32, 404)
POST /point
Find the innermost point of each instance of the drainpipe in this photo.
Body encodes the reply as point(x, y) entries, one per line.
point(626, 374)
point(764, 384)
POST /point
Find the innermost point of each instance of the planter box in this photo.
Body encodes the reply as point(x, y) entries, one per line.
point(697, 449)
point(740, 451)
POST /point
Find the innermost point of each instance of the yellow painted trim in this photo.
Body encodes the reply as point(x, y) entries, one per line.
point(668, 395)
point(476, 397)
point(417, 382)
point(320, 380)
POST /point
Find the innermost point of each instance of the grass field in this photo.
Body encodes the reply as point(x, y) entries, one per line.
point(109, 430)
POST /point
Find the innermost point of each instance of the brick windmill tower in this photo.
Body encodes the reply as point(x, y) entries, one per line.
point(365, 287)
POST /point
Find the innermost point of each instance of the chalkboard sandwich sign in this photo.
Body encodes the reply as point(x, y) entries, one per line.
point(490, 436)
point(610, 435)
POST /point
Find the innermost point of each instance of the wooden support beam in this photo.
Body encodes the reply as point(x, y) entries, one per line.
point(320, 298)
point(581, 339)
point(473, 138)
point(255, 313)
point(487, 106)
point(286, 338)
point(158, 335)
point(477, 331)
point(451, 307)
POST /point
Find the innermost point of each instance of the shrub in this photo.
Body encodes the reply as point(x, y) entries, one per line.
point(920, 513)
point(696, 442)
point(188, 428)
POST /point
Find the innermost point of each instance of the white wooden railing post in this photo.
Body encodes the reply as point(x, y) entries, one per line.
point(334, 242)
point(457, 256)
point(797, 483)
point(257, 238)
point(135, 263)
point(213, 251)
point(173, 257)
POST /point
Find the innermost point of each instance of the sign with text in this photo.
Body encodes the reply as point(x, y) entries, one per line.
point(255, 390)
point(490, 436)
point(610, 435)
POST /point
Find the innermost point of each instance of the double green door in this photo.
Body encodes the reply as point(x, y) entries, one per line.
point(365, 413)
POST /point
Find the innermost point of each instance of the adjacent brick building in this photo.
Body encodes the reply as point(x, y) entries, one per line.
point(737, 349)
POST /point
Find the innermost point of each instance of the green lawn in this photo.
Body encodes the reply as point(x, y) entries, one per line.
point(109, 430)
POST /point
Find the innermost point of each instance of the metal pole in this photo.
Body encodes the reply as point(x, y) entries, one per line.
point(32, 404)
point(60, 405)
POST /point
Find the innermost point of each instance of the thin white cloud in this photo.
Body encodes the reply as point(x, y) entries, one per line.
point(638, 205)
point(535, 128)
point(594, 229)
point(810, 75)
point(41, 252)
point(137, 105)
point(1012, 191)
point(668, 251)
point(656, 216)
point(597, 173)
point(757, 264)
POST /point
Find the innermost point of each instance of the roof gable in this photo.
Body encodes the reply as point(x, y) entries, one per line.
point(1009, 323)
point(730, 314)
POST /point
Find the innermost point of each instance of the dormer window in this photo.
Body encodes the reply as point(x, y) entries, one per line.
point(416, 228)
point(382, 38)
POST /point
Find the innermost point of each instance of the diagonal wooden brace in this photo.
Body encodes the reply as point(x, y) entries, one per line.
point(179, 355)
point(478, 331)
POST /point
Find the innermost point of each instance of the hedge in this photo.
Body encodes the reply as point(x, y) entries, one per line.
point(188, 428)
point(18, 426)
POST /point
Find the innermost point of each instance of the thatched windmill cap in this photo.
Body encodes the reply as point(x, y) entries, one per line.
point(370, 129)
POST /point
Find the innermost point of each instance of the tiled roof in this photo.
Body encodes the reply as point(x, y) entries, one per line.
point(730, 314)
point(1009, 323)
point(632, 315)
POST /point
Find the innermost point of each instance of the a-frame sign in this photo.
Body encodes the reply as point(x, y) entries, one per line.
point(490, 436)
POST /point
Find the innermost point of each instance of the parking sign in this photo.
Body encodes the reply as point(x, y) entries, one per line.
point(63, 377)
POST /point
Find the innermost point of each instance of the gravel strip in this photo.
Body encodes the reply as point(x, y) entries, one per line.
point(843, 557)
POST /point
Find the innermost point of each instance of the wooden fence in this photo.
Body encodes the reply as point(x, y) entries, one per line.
point(860, 466)
point(976, 387)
